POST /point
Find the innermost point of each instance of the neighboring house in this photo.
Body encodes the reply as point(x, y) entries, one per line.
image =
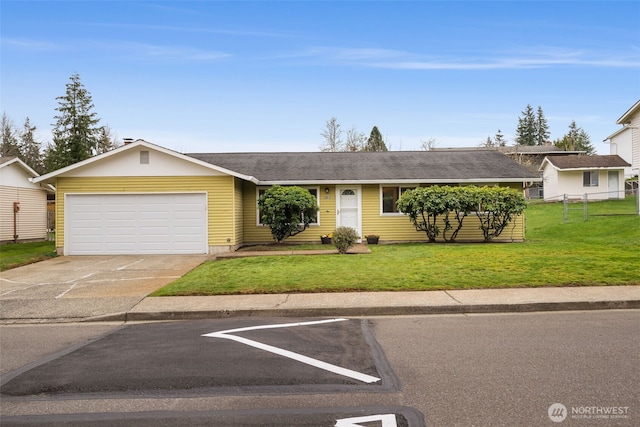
point(599, 177)
point(145, 199)
point(625, 142)
point(532, 156)
point(529, 156)
point(23, 204)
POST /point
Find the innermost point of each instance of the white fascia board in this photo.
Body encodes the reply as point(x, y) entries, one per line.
point(133, 145)
point(400, 181)
point(607, 140)
point(546, 161)
point(594, 168)
point(627, 115)
point(23, 165)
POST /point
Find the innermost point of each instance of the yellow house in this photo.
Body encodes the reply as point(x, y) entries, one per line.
point(145, 199)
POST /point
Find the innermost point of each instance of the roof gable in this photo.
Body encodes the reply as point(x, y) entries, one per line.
point(8, 161)
point(16, 173)
point(126, 161)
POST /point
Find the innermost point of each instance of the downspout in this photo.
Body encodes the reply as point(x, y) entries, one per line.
point(16, 209)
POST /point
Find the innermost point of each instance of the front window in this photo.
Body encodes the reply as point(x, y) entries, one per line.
point(312, 190)
point(590, 179)
point(390, 197)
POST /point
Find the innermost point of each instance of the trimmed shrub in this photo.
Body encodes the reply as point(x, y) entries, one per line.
point(344, 238)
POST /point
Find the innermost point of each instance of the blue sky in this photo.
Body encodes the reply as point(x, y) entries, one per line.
point(214, 76)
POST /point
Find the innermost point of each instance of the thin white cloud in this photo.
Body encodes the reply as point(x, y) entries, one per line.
point(182, 29)
point(30, 45)
point(541, 57)
point(142, 51)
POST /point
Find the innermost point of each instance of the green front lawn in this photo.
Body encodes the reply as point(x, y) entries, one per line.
point(16, 254)
point(602, 251)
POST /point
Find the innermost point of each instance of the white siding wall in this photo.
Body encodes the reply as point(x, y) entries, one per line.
point(31, 220)
point(635, 143)
point(550, 182)
point(621, 145)
point(558, 183)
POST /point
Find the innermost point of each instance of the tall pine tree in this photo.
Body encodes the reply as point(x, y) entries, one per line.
point(542, 128)
point(576, 140)
point(76, 132)
point(375, 141)
point(10, 146)
point(526, 130)
point(30, 149)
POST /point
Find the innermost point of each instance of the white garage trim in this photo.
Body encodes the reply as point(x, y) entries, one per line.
point(127, 223)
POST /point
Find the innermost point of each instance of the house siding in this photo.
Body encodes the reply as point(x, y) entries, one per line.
point(31, 220)
point(390, 227)
point(573, 187)
point(635, 143)
point(220, 196)
point(238, 213)
point(254, 233)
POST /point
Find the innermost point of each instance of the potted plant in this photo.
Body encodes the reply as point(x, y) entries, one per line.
point(372, 239)
point(326, 239)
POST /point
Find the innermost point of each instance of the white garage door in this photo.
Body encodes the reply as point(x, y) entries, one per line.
point(136, 224)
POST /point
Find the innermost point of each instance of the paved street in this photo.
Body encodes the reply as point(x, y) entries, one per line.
point(485, 369)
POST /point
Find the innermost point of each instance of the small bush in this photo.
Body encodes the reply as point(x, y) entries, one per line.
point(344, 238)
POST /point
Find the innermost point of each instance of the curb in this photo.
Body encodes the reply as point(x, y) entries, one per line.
point(168, 315)
point(385, 311)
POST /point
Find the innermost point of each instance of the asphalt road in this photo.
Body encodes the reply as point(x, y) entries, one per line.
point(505, 369)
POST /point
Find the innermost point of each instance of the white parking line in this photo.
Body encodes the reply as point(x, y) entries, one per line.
point(290, 354)
point(129, 265)
point(74, 283)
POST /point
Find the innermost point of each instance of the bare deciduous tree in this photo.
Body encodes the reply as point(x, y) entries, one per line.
point(332, 135)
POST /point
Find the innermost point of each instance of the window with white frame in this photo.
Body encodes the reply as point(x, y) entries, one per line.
point(314, 192)
point(590, 178)
point(389, 197)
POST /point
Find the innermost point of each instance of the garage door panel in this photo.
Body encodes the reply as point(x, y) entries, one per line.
point(136, 224)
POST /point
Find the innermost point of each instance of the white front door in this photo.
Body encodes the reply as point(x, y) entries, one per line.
point(613, 185)
point(348, 207)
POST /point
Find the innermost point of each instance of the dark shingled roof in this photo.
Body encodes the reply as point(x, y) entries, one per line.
point(371, 167)
point(584, 162)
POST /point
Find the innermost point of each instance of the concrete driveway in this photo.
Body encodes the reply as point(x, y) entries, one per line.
point(76, 288)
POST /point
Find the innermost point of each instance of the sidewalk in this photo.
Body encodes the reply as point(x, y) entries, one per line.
point(387, 303)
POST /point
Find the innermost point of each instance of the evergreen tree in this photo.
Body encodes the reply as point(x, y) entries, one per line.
point(575, 140)
point(526, 130)
point(499, 140)
point(488, 143)
point(542, 128)
point(10, 146)
point(375, 141)
point(30, 149)
point(76, 131)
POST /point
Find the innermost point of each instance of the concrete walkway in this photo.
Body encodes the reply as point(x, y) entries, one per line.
point(388, 303)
